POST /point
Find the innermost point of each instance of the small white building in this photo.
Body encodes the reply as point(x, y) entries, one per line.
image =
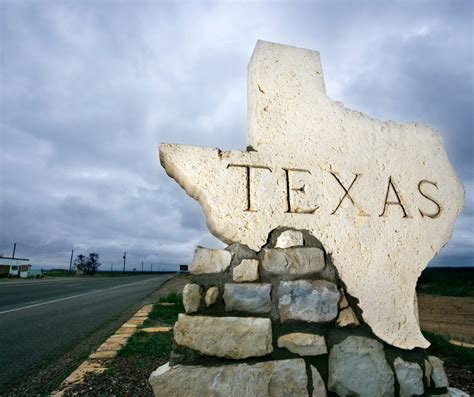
point(14, 267)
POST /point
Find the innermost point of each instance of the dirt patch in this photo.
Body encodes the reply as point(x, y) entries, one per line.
point(447, 315)
point(176, 284)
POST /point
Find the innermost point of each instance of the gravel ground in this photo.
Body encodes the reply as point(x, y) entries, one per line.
point(461, 378)
point(128, 377)
point(176, 284)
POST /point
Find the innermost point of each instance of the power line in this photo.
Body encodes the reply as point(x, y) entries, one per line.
point(7, 245)
point(42, 249)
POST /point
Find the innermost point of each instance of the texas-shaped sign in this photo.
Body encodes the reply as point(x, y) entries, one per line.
point(381, 197)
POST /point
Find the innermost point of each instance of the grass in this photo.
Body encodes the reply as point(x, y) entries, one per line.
point(59, 274)
point(166, 315)
point(447, 282)
point(148, 345)
point(447, 290)
point(155, 344)
point(451, 354)
point(172, 297)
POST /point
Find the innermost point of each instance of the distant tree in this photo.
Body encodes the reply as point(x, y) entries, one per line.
point(88, 265)
point(80, 262)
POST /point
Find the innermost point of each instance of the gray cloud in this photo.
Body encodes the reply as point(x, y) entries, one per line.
point(89, 90)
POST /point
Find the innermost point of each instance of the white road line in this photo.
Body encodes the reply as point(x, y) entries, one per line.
point(74, 296)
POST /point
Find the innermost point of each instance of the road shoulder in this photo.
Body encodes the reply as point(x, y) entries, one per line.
point(100, 360)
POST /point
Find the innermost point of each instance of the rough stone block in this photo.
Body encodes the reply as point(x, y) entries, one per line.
point(343, 303)
point(229, 337)
point(346, 318)
point(252, 298)
point(247, 270)
point(289, 238)
point(299, 261)
point(313, 301)
point(438, 375)
point(410, 378)
point(319, 388)
point(303, 344)
point(266, 379)
point(211, 296)
point(207, 260)
point(153, 330)
point(191, 298)
point(125, 330)
point(357, 366)
point(103, 355)
point(428, 369)
point(453, 392)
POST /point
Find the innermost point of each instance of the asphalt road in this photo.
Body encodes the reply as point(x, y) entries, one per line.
point(41, 318)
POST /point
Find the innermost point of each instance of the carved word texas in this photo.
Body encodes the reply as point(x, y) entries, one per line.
point(381, 197)
point(292, 189)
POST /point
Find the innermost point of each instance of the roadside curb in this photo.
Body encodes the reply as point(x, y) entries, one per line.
point(461, 343)
point(99, 360)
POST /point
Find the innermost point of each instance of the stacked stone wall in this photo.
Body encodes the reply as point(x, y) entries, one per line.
point(279, 322)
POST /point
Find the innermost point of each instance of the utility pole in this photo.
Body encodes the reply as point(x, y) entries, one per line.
point(70, 260)
point(142, 266)
point(151, 267)
point(124, 258)
point(14, 249)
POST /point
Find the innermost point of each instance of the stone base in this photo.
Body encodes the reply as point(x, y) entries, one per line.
point(270, 378)
point(292, 331)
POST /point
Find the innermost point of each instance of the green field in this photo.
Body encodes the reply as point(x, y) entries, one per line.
point(447, 281)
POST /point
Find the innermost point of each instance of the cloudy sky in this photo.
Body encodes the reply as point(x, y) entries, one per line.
point(89, 89)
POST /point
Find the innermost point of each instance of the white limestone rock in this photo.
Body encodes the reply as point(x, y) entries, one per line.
point(211, 296)
point(207, 260)
point(252, 298)
point(303, 344)
point(343, 303)
point(438, 375)
point(266, 379)
point(357, 366)
point(410, 378)
point(347, 317)
point(229, 337)
point(307, 152)
point(454, 392)
point(428, 369)
point(247, 270)
point(289, 238)
point(305, 300)
point(299, 261)
point(319, 388)
point(191, 298)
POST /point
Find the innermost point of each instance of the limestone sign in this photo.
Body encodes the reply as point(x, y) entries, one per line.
point(381, 197)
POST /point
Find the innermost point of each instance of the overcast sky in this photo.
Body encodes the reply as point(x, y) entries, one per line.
point(89, 89)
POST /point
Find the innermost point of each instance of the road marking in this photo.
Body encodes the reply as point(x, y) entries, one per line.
point(75, 296)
